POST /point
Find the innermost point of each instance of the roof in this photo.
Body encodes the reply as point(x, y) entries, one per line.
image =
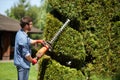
point(9, 24)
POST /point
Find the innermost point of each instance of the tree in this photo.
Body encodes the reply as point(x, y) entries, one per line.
point(24, 8)
point(18, 10)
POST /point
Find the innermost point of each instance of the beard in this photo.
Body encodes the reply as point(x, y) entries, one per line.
point(29, 28)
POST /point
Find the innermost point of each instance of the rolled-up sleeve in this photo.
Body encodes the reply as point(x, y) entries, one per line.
point(26, 51)
point(24, 48)
point(30, 40)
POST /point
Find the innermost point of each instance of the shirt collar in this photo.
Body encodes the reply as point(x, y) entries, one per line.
point(24, 32)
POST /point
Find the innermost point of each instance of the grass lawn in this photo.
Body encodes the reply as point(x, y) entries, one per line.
point(8, 71)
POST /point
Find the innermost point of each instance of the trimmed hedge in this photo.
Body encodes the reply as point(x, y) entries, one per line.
point(93, 41)
point(69, 43)
point(98, 21)
point(68, 51)
point(52, 70)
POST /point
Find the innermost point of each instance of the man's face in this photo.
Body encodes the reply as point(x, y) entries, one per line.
point(29, 26)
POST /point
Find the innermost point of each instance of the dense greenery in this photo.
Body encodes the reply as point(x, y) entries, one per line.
point(96, 25)
point(52, 70)
point(66, 40)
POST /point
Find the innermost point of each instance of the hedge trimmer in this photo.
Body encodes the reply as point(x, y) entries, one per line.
point(47, 45)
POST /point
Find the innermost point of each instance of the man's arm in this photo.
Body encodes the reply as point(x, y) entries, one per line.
point(30, 59)
point(36, 41)
point(33, 42)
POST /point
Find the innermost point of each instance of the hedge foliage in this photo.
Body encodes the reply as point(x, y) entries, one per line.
point(94, 32)
point(53, 70)
point(98, 21)
point(64, 51)
point(69, 43)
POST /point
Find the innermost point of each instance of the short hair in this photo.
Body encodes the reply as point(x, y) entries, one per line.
point(25, 20)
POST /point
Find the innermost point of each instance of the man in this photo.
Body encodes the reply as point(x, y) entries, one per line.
point(22, 52)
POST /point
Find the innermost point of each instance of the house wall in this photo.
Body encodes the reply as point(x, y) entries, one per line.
point(0, 47)
point(6, 49)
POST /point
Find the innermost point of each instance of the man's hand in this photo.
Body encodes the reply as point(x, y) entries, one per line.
point(30, 59)
point(41, 41)
point(34, 61)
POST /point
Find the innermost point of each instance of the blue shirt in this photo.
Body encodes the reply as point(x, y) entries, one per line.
point(22, 49)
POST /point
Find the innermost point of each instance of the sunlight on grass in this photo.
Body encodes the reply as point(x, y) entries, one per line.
point(8, 71)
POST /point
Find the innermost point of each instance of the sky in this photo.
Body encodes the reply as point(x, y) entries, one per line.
point(7, 4)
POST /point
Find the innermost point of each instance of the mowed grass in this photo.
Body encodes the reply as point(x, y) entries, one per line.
point(8, 71)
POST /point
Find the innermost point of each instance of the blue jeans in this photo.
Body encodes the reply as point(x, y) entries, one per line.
point(23, 74)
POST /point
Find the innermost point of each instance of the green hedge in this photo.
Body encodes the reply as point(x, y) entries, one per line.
point(68, 51)
point(98, 21)
point(69, 43)
point(52, 70)
point(92, 40)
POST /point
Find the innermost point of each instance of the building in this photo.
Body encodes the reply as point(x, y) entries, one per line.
point(8, 29)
